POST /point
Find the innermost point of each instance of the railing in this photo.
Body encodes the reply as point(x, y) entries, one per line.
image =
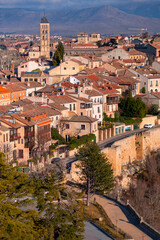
point(109, 102)
point(29, 134)
point(14, 137)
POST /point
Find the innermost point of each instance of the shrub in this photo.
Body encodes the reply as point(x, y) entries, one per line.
point(75, 142)
point(56, 136)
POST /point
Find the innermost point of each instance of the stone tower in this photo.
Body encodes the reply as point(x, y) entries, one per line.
point(45, 37)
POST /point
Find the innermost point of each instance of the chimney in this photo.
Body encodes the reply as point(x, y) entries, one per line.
point(13, 69)
point(42, 98)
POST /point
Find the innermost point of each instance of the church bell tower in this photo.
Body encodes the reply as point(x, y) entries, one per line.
point(45, 37)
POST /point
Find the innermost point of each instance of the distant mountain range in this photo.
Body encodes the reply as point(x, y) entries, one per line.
point(103, 19)
point(149, 9)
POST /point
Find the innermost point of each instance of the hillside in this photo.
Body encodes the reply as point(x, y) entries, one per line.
point(104, 19)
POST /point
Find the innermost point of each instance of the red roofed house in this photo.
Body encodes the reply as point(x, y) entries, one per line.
point(4, 96)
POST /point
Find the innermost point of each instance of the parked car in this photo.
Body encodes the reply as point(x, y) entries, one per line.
point(148, 126)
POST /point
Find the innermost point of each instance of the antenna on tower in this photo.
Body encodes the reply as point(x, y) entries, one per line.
point(44, 12)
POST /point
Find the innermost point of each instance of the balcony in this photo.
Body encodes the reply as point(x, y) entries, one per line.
point(14, 137)
point(110, 102)
point(29, 134)
point(85, 105)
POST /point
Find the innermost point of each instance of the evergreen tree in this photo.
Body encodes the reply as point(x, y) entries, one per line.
point(61, 50)
point(56, 58)
point(96, 169)
point(50, 221)
point(132, 107)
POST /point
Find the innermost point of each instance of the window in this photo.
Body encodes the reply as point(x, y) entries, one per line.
point(156, 82)
point(26, 79)
point(21, 141)
point(17, 95)
point(74, 106)
point(23, 94)
point(67, 126)
point(20, 154)
point(151, 83)
point(73, 68)
point(30, 79)
point(98, 109)
point(35, 79)
point(4, 138)
point(65, 68)
point(56, 117)
point(7, 137)
point(2, 96)
point(18, 140)
point(99, 116)
point(20, 94)
point(81, 113)
point(70, 107)
point(83, 127)
point(82, 106)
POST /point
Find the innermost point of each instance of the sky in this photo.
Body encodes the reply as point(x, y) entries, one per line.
point(57, 4)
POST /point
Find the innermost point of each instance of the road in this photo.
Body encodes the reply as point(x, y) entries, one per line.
point(121, 217)
point(93, 233)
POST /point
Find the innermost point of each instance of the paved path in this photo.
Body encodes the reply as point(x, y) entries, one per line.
point(119, 219)
point(93, 233)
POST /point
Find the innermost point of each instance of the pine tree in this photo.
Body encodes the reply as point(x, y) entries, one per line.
point(56, 58)
point(97, 173)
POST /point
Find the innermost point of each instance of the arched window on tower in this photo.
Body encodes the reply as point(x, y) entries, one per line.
point(43, 37)
point(46, 31)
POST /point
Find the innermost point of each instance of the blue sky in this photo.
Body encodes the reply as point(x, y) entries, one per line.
point(54, 4)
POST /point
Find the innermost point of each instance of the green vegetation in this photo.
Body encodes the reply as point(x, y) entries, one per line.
point(61, 50)
point(123, 119)
point(143, 90)
point(99, 44)
point(58, 221)
point(97, 172)
point(36, 70)
point(56, 136)
point(153, 109)
point(76, 142)
point(58, 55)
point(131, 107)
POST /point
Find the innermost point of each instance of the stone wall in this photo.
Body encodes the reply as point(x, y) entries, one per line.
point(121, 153)
point(135, 147)
point(127, 150)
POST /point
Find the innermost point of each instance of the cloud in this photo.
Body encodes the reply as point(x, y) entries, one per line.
point(54, 4)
